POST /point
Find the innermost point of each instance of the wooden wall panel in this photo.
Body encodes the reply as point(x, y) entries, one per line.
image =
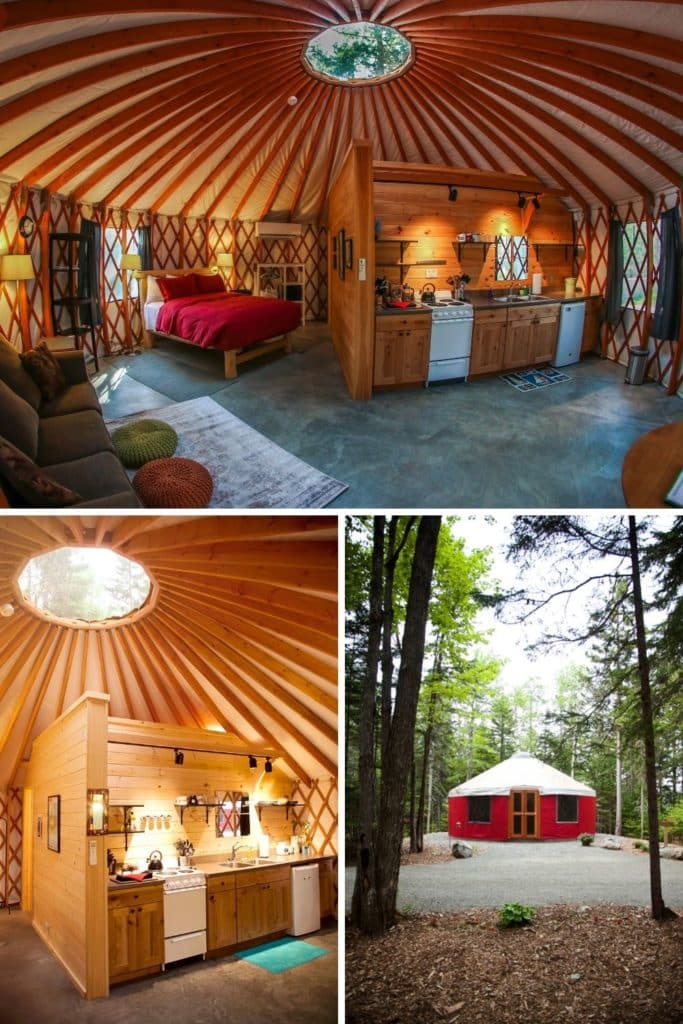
point(351, 301)
point(10, 846)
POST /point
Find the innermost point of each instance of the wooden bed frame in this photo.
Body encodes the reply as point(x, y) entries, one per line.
point(231, 357)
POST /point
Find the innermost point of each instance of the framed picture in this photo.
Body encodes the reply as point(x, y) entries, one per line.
point(341, 250)
point(348, 253)
point(53, 823)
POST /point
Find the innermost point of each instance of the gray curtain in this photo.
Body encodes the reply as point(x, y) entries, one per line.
point(615, 272)
point(88, 272)
point(145, 247)
point(666, 321)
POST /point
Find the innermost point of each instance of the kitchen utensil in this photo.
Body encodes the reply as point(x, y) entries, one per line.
point(193, 801)
point(155, 862)
point(407, 293)
point(428, 294)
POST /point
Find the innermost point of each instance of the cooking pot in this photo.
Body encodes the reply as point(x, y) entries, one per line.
point(428, 294)
point(155, 863)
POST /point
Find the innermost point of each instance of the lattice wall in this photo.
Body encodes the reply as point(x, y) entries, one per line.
point(10, 846)
point(320, 811)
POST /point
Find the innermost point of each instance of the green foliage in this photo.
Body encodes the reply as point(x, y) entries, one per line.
point(586, 838)
point(358, 52)
point(515, 915)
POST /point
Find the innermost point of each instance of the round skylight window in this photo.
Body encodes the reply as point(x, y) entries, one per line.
point(360, 53)
point(87, 584)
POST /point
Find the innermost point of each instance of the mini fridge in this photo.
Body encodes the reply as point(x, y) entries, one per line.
point(305, 900)
point(570, 333)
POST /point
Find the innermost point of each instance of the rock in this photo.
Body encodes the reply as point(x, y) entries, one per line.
point(575, 977)
point(461, 849)
point(671, 852)
point(610, 844)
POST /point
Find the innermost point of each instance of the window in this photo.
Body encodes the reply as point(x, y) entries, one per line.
point(359, 53)
point(634, 249)
point(479, 809)
point(232, 814)
point(567, 808)
point(113, 286)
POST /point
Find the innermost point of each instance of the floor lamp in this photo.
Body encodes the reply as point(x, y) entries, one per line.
point(19, 267)
point(130, 261)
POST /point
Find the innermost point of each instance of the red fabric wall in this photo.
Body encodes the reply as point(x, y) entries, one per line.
point(552, 829)
point(460, 828)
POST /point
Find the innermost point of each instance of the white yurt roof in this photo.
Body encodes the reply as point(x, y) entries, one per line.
point(522, 771)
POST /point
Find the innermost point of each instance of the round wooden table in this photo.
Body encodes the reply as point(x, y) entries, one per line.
point(651, 465)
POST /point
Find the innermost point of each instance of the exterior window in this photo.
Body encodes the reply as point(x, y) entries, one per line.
point(479, 809)
point(568, 808)
point(358, 53)
point(113, 287)
point(634, 282)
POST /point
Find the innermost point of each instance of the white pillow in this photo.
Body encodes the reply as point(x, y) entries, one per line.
point(153, 290)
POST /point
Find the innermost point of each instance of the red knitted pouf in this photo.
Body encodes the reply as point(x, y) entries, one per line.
point(173, 483)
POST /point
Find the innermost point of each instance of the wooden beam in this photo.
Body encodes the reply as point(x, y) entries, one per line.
point(433, 174)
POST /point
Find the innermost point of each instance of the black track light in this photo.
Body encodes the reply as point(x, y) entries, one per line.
point(268, 765)
point(521, 201)
point(452, 193)
point(536, 202)
point(252, 761)
point(179, 757)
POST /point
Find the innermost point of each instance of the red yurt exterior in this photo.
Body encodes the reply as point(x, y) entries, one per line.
point(521, 798)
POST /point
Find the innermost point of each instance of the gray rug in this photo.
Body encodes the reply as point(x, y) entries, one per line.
point(248, 470)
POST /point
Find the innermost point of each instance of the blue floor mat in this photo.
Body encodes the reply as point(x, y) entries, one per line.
point(281, 955)
point(529, 380)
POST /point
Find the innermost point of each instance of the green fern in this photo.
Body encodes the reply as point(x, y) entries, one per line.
point(514, 915)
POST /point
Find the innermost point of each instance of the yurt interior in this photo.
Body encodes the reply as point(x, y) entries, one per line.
point(320, 219)
point(168, 768)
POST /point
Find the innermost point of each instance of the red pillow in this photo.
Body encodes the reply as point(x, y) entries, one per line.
point(208, 283)
point(180, 287)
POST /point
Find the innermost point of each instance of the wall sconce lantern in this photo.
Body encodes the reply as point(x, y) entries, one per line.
point(179, 757)
point(452, 193)
point(98, 812)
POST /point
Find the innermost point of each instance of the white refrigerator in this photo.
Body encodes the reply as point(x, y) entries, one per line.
point(570, 333)
point(305, 900)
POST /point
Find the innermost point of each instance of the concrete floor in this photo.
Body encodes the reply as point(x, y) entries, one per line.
point(475, 445)
point(35, 988)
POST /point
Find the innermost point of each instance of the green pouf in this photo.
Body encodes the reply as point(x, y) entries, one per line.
point(140, 442)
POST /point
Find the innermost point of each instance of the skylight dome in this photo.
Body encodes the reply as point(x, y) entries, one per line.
point(87, 584)
point(360, 53)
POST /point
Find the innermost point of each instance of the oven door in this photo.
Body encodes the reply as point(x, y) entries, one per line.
point(184, 911)
point(451, 339)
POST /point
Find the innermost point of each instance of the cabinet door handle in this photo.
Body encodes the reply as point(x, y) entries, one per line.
point(211, 899)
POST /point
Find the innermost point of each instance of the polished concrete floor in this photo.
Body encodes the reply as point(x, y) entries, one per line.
point(476, 445)
point(34, 989)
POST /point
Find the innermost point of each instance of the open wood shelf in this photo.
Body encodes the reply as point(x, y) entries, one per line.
point(276, 803)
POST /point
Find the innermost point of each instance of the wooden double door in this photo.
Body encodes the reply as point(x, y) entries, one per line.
point(523, 814)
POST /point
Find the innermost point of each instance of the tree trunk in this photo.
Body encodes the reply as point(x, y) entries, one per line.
point(618, 811)
point(413, 819)
point(400, 741)
point(429, 731)
point(364, 904)
point(430, 780)
point(659, 911)
point(387, 627)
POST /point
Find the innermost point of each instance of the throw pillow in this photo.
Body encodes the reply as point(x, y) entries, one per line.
point(153, 290)
point(45, 370)
point(29, 481)
point(180, 287)
point(209, 283)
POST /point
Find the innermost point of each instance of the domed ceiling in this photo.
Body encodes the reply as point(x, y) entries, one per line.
point(208, 108)
point(239, 634)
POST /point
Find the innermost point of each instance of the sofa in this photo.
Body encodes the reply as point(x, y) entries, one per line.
point(64, 437)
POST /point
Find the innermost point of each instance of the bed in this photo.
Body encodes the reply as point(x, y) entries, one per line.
point(194, 307)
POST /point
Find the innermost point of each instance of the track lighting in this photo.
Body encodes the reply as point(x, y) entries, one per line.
point(536, 202)
point(452, 193)
point(268, 765)
point(521, 201)
point(179, 757)
point(252, 761)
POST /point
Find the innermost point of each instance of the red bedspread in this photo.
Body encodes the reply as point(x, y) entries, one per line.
point(227, 320)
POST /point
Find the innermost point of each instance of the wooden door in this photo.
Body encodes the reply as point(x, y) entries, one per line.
point(328, 894)
point(415, 357)
point(388, 357)
point(524, 814)
point(149, 935)
point(251, 916)
point(545, 335)
point(221, 920)
point(278, 905)
point(488, 344)
point(121, 941)
point(517, 345)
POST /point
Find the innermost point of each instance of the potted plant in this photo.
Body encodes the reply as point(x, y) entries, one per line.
point(586, 838)
point(185, 850)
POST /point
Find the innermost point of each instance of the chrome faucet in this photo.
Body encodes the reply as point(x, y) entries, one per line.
point(511, 289)
point(235, 848)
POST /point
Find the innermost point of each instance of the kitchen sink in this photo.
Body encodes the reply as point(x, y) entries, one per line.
point(249, 863)
point(511, 298)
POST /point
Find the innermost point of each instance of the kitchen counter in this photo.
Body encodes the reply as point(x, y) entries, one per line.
point(212, 866)
point(419, 307)
point(484, 302)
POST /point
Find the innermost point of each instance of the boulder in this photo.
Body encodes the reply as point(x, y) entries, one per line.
point(610, 844)
point(461, 849)
point(670, 852)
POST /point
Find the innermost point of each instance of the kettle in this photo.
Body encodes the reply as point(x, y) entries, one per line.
point(428, 294)
point(155, 863)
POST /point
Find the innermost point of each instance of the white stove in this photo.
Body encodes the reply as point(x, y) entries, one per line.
point(451, 342)
point(184, 913)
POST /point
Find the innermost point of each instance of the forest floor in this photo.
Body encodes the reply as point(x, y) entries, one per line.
point(595, 965)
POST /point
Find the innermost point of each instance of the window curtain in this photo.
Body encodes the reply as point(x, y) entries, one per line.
point(145, 246)
point(88, 274)
point(666, 321)
point(615, 272)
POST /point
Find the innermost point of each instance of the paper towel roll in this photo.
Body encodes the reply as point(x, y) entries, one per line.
point(536, 284)
point(263, 846)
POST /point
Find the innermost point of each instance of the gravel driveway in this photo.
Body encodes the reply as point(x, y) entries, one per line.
point(535, 873)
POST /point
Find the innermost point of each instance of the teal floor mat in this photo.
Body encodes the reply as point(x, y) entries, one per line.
point(281, 955)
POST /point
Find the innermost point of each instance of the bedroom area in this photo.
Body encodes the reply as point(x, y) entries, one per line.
point(244, 263)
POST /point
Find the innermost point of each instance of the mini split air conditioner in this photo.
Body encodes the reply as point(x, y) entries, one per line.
point(272, 229)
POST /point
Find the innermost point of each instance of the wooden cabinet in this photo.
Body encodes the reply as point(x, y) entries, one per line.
point(136, 933)
point(518, 350)
point(402, 349)
point(221, 912)
point(264, 902)
point(590, 342)
point(544, 334)
point(488, 341)
point(327, 877)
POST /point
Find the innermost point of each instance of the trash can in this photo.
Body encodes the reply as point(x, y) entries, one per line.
point(637, 361)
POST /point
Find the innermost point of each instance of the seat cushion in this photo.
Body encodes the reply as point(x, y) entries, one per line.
point(76, 398)
point(42, 366)
point(140, 442)
point(15, 376)
point(19, 421)
point(33, 487)
point(63, 438)
point(173, 483)
point(96, 477)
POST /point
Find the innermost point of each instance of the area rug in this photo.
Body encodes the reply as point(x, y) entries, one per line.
point(281, 955)
point(248, 470)
point(530, 380)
